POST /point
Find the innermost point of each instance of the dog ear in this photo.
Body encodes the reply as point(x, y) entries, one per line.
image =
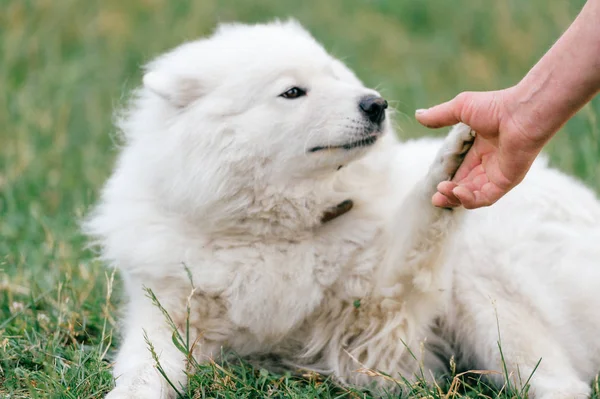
point(178, 90)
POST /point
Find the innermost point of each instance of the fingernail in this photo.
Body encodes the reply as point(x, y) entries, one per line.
point(420, 111)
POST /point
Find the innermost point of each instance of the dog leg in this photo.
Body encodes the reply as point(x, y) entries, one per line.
point(413, 280)
point(530, 350)
point(413, 264)
point(135, 369)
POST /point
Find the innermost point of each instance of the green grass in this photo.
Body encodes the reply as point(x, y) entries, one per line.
point(65, 65)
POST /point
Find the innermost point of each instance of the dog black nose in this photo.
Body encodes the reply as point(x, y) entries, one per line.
point(373, 107)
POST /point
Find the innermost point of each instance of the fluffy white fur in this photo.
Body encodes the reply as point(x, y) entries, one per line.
point(216, 174)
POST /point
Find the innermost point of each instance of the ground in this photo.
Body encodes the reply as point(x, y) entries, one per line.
point(65, 65)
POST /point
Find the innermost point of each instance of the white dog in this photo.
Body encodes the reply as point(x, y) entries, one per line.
point(260, 167)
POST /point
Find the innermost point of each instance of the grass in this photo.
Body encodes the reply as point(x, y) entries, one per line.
point(65, 65)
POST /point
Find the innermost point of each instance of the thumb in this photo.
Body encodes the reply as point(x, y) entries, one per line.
point(441, 115)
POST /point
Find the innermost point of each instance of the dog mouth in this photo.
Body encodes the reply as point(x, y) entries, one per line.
point(363, 142)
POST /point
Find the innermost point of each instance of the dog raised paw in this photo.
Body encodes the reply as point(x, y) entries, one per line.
point(450, 156)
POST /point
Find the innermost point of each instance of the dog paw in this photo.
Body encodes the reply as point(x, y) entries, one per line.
point(453, 151)
point(545, 388)
point(138, 392)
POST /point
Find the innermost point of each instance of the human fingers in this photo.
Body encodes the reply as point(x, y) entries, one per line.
point(445, 188)
point(441, 115)
point(441, 201)
point(473, 199)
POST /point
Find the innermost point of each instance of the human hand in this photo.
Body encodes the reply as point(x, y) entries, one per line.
point(501, 155)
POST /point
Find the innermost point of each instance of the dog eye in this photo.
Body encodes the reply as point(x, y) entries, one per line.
point(292, 93)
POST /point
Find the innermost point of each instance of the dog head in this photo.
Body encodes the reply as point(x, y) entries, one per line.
point(251, 107)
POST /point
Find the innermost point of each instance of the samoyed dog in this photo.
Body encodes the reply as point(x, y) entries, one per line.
point(261, 187)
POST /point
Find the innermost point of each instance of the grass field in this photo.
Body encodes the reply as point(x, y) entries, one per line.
point(66, 64)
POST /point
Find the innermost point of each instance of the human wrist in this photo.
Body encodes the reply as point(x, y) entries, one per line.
point(525, 114)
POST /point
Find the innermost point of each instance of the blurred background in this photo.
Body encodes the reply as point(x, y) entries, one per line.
point(65, 65)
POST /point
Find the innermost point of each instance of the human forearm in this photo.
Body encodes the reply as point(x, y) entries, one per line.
point(563, 81)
